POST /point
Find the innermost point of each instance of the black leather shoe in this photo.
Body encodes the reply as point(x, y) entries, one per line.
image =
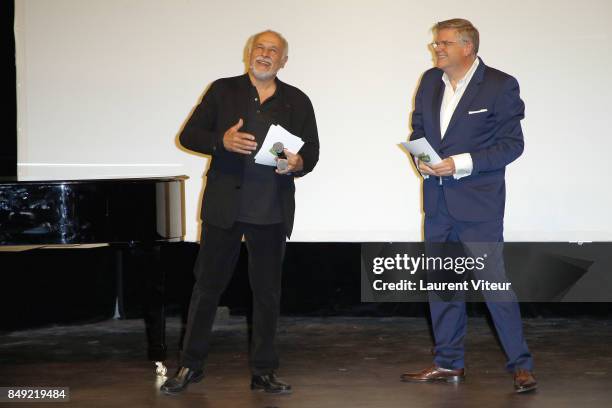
point(183, 377)
point(269, 383)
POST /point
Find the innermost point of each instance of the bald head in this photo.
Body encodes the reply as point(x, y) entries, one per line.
point(279, 36)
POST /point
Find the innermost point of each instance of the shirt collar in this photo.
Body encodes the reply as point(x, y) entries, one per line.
point(466, 78)
point(278, 92)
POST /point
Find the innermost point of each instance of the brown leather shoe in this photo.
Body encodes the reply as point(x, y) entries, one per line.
point(435, 374)
point(524, 381)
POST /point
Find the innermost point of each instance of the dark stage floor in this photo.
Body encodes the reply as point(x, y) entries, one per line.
point(331, 362)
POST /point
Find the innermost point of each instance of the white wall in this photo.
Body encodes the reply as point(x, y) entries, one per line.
point(105, 86)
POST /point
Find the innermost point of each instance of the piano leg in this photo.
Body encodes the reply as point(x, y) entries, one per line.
point(154, 311)
point(145, 261)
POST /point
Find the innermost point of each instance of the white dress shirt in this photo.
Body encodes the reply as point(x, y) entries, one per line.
point(450, 100)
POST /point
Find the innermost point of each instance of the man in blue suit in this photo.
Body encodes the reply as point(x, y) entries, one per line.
point(470, 114)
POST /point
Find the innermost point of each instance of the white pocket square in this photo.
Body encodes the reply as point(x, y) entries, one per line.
point(477, 111)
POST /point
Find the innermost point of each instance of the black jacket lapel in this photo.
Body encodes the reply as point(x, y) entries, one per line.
point(283, 114)
point(242, 97)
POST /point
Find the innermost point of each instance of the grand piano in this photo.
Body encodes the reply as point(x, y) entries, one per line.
point(126, 214)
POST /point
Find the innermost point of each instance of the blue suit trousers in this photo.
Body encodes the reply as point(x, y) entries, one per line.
point(449, 318)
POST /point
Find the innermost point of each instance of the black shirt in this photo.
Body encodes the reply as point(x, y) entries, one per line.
point(260, 201)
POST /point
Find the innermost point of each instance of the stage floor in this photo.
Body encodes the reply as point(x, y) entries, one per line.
point(330, 362)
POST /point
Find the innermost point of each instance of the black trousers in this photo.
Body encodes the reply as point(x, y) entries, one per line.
point(219, 251)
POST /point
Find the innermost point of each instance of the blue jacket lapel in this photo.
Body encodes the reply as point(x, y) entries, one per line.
point(436, 104)
point(466, 100)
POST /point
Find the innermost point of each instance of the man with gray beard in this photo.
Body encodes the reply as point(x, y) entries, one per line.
point(243, 198)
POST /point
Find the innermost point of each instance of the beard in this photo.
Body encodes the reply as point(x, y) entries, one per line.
point(263, 75)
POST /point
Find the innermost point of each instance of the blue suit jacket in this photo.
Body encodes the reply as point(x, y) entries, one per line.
point(493, 138)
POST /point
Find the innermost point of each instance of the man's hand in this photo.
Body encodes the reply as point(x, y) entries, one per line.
point(445, 168)
point(238, 142)
point(294, 163)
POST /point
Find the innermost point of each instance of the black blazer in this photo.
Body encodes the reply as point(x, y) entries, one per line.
point(223, 105)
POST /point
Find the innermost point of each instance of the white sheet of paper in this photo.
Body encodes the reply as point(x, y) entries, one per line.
point(277, 133)
point(421, 149)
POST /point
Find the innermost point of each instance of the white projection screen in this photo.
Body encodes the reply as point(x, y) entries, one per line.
point(105, 86)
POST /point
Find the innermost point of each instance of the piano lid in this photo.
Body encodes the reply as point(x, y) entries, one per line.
point(53, 180)
point(109, 210)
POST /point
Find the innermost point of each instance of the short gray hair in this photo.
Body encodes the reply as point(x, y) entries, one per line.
point(279, 35)
point(467, 32)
